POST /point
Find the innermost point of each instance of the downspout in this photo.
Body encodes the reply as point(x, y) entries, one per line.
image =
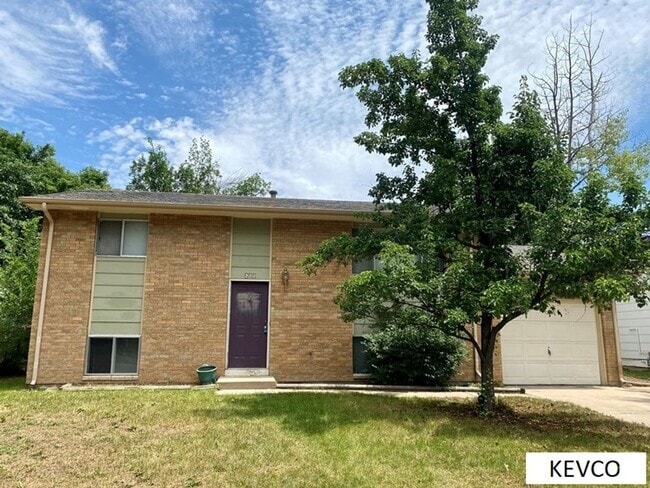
point(41, 308)
point(477, 359)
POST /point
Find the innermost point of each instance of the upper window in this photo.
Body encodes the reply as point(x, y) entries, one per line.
point(370, 264)
point(122, 238)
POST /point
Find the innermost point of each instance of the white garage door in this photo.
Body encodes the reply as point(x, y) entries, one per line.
point(552, 350)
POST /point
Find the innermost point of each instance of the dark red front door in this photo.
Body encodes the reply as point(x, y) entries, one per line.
point(249, 306)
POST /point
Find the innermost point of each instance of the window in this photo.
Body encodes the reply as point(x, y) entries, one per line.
point(362, 327)
point(122, 238)
point(113, 355)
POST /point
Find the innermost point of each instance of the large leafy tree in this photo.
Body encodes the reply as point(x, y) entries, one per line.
point(483, 223)
point(199, 173)
point(17, 287)
point(152, 172)
point(26, 169)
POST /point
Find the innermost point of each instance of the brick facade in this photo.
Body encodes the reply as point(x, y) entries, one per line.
point(67, 311)
point(309, 340)
point(185, 297)
point(469, 370)
point(611, 354)
point(185, 309)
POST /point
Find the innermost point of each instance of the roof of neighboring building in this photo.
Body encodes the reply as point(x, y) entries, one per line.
point(191, 203)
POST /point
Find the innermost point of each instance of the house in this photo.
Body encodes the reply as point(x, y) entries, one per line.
point(145, 287)
point(634, 333)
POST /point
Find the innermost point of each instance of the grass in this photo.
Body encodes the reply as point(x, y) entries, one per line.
point(196, 438)
point(637, 373)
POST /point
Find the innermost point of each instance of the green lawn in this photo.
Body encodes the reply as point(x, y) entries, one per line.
point(190, 438)
point(637, 373)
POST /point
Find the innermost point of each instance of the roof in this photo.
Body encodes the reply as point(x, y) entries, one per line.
point(122, 201)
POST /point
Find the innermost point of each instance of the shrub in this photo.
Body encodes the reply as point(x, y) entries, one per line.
point(411, 355)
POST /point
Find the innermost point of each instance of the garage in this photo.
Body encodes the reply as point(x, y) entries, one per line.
point(552, 350)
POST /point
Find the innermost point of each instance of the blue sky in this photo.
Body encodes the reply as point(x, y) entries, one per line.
point(258, 78)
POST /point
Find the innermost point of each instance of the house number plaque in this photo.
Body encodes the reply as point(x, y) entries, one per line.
point(250, 276)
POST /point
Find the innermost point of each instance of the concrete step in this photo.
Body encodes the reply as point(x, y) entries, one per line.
point(246, 383)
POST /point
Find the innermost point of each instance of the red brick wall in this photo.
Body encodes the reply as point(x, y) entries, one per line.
point(309, 341)
point(185, 297)
point(67, 311)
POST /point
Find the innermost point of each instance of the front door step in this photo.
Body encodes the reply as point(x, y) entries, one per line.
point(246, 372)
point(246, 383)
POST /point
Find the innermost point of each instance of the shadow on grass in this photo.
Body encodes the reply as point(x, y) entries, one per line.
point(12, 383)
point(552, 424)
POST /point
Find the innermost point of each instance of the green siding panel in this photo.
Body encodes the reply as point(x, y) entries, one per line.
point(116, 315)
point(250, 273)
point(117, 303)
point(250, 262)
point(362, 327)
point(251, 249)
point(107, 291)
point(119, 279)
point(117, 296)
point(119, 265)
point(252, 226)
point(115, 328)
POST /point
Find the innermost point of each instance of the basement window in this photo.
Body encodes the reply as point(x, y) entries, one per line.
point(113, 355)
point(122, 238)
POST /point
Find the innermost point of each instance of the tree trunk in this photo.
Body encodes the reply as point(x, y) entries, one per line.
point(487, 399)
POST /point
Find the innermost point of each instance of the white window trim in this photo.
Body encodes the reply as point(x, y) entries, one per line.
point(121, 254)
point(113, 348)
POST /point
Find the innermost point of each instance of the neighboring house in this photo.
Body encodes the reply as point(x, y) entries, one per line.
point(634, 333)
point(144, 287)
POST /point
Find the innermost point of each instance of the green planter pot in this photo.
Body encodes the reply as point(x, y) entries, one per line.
point(207, 374)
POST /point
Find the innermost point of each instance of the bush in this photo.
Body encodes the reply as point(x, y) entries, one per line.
point(17, 283)
point(410, 355)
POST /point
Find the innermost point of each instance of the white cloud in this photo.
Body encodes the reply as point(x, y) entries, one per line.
point(289, 118)
point(121, 144)
point(168, 26)
point(300, 124)
point(524, 26)
point(92, 34)
point(44, 54)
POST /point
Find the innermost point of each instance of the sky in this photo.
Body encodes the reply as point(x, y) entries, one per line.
point(258, 79)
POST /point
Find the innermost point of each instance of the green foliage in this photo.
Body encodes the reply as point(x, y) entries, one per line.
point(485, 221)
point(411, 355)
point(17, 284)
point(152, 172)
point(25, 170)
point(252, 186)
point(94, 178)
point(199, 173)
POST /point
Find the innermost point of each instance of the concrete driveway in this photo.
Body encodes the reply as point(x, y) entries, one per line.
point(631, 404)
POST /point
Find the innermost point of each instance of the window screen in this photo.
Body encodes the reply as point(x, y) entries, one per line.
point(99, 355)
point(109, 237)
point(135, 238)
point(126, 355)
point(113, 355)
point(359, 361)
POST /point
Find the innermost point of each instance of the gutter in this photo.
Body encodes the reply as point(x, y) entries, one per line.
point(477, 359)
point(196, 209)
point(41, 308)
